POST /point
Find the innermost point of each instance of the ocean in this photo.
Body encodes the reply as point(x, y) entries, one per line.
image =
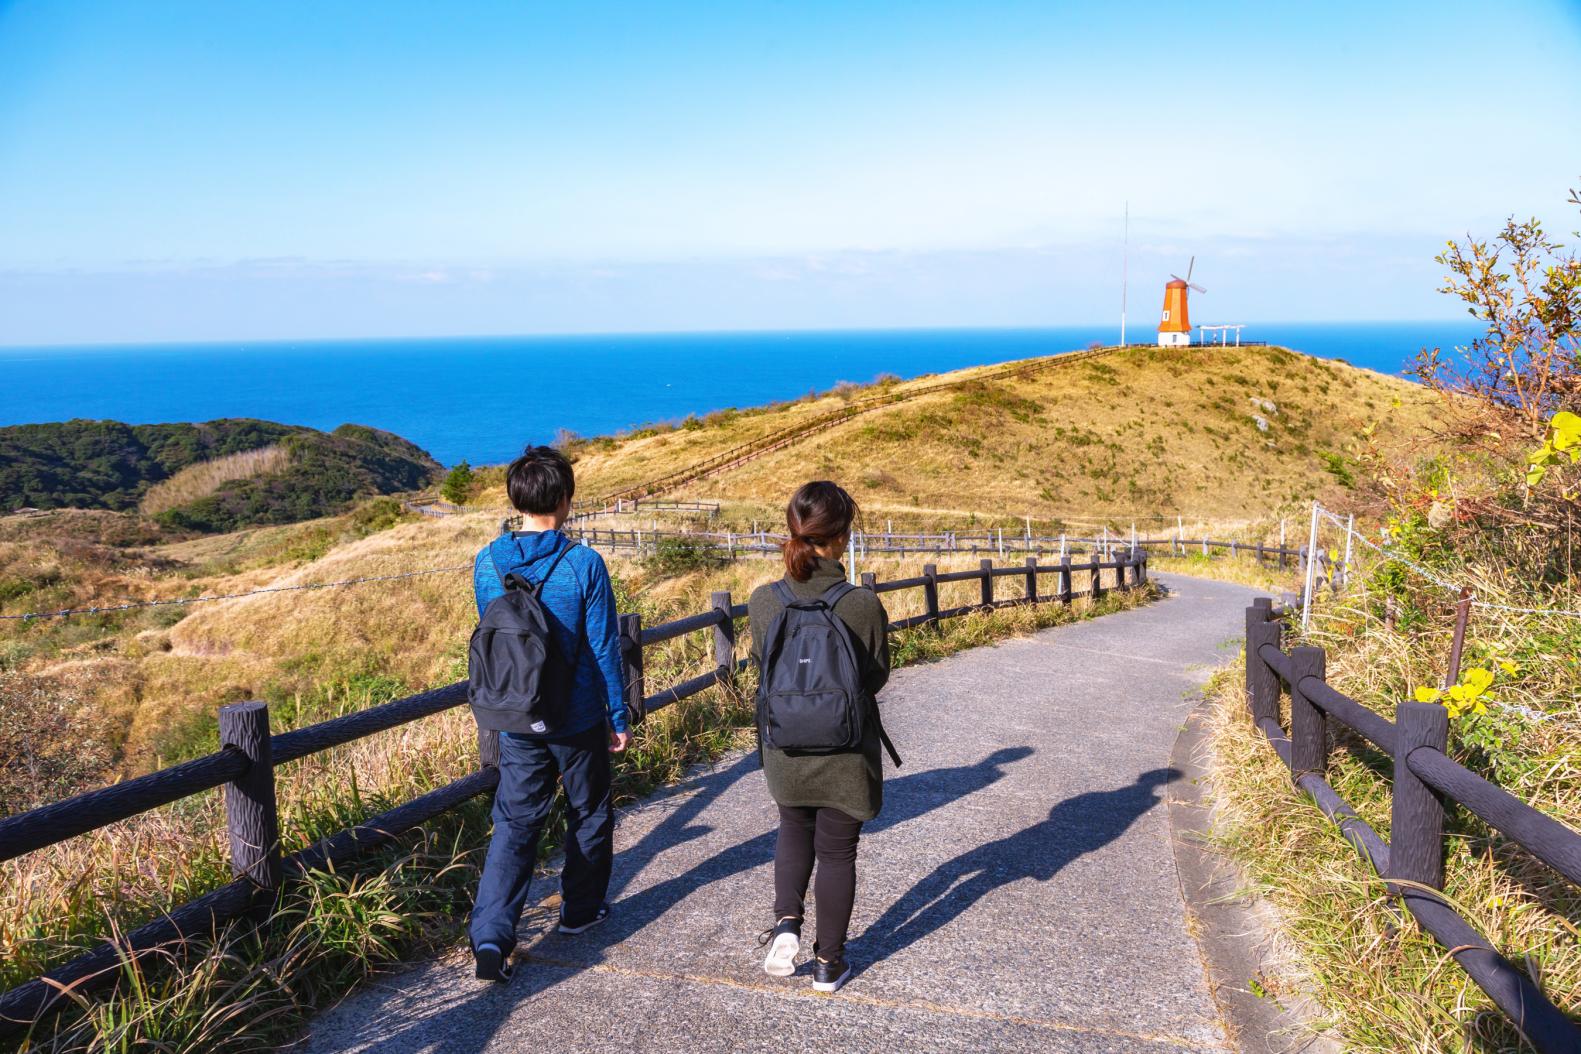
point(482, 398)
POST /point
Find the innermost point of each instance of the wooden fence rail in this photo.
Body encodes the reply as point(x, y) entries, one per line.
point(249, 755)
point(1426, 782)
point(731, 545)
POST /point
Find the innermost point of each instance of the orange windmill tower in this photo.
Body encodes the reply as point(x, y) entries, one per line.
point(1174, 329)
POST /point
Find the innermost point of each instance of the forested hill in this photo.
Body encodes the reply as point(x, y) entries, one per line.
point(212, 476)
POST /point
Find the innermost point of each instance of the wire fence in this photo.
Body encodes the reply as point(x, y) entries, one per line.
point(1395, 556)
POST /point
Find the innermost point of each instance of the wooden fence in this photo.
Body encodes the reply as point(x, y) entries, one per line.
point(728, 545)
point(432, 507)
point(249, 754)
point(1426, 782)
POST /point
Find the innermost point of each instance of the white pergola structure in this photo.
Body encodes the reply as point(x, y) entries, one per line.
point(1223, 332)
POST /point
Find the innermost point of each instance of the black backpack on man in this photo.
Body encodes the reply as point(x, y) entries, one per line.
point(517, 678)
point(810, 694)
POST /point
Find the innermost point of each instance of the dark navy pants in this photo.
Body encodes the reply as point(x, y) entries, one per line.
point(528, 771)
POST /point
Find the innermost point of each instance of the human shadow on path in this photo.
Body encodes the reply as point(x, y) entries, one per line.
point(478, 1015)
point(1075, 827)
point(905, 798)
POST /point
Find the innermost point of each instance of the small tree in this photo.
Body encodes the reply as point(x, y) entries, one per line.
point(458, 484)
point(1527, 365)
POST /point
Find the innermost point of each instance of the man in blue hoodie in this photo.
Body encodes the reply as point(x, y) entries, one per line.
point(580, 603)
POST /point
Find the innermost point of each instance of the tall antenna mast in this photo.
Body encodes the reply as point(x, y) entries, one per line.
point(1125, 266)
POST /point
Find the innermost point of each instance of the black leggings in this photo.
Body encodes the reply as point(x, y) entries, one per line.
point(830, 836)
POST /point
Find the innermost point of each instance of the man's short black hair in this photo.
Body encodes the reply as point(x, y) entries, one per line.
point(540, 480)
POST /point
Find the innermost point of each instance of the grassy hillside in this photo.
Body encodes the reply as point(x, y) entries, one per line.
point(1207, 432)
point(212, 476)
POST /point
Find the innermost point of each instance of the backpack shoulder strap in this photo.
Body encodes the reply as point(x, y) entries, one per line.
point(566, 548)
point(836, 593)
point(782, 590)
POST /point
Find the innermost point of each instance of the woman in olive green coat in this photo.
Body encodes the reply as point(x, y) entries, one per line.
point(823, 797)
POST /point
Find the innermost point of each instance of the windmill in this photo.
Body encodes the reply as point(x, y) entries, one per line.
point(1174, 329)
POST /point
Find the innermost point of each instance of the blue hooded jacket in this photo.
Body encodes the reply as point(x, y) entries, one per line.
point(580, 603)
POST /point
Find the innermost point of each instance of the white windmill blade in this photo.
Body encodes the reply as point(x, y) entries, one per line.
point(1189, 268)
point(1197, 287)
point(1176, 277)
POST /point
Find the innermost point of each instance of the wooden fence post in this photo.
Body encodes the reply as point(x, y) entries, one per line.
point(1416, 823)
point(930, 593)
point(1141, 568)
point(1308, 724)
point(251, 815)
point(870, 580)
point(631, 667)
point(1065, 589)
point(724, 639)
point(1262, 683)
point(986, 567)
point(1097, 575)
point(1032, 580)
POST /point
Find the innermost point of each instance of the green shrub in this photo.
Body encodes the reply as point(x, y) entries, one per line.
point(679, 556)
point(458, 484)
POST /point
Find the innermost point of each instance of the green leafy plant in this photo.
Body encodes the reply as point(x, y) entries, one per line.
point(458, 484)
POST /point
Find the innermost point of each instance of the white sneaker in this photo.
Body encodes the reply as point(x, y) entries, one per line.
point(784, 943)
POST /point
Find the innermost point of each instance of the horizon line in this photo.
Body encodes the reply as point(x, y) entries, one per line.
point(722, 332)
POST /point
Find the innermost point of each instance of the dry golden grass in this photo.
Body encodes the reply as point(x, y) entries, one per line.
point(1141, 430)
point(205, 477)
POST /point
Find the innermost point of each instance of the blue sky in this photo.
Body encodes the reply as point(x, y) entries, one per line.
point(188, 171)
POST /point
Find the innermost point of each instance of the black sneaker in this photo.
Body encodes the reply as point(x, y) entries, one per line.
point(784, 944)
point(492, 963)
point(829, 976)
point(582, 927)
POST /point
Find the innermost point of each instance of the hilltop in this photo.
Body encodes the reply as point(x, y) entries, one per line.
point(1202, 432)
point(214, 476)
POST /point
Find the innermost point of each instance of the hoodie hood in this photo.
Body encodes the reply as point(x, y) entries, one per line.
point(519, 551)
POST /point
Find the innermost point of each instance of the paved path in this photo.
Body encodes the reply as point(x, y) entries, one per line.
point(1018, 892)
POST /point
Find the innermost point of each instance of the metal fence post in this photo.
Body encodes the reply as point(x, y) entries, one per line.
point(1308, 724)
point(724, 639)
point(1416, 822)
point(930, 592)
point(1032, 580)
point(986, 568)
point(251, 815)
point(631, 667)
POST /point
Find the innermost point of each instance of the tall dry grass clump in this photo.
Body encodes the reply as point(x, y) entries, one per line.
point(206, 477)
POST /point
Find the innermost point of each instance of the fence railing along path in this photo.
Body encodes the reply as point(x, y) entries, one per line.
point(731, 545)
point(1426, 783)
point(250, 753)
point(783, 437)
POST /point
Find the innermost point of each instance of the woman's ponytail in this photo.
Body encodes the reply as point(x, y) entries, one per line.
point(817, 514)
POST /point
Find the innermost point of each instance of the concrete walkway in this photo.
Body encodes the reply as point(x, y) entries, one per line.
point(1018, 892)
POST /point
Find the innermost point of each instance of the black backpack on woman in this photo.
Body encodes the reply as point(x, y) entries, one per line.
point(810, 694)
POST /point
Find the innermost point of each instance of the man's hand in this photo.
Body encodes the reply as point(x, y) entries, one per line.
point(619, 741)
